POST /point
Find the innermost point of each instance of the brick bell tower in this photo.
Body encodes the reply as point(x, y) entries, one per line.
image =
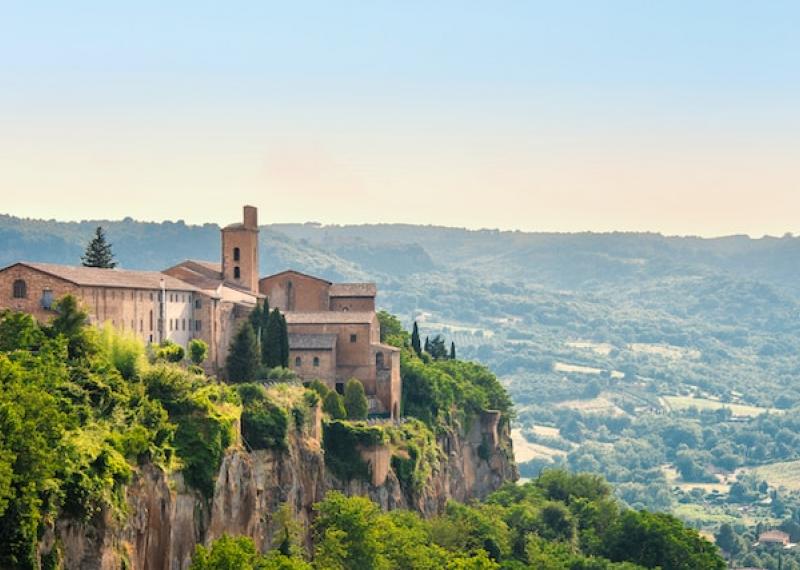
point(240, 251)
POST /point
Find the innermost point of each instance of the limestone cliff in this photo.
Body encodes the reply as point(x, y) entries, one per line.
point(165, 519)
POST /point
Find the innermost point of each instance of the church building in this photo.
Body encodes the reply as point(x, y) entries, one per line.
point(334, 334)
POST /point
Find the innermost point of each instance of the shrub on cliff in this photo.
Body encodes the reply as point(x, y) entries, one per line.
point(355, 400)
point(333, 406)
point(342, 440)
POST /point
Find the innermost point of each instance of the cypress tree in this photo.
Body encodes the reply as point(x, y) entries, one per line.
point(284, 341)
point(427, 345)
point(265, 314)
point(452, 350)
point(271, 341)
point(255, 321)
point(243, 357)
point(98, 252)
point(415, 340)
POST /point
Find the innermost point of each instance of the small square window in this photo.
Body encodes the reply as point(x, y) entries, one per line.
point(353, 338)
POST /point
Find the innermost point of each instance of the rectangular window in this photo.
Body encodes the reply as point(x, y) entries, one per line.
point(183, 324)
point(197, 304)
point(170, 324)
point(198, 325)
point(47, 299)
point(353, 338)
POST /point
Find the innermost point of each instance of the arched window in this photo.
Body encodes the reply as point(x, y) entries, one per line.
point(237, 273)
point(236, 254)
point(289, 300)
point(20, 289)
point(316, 361)
point(379, 360)
point(298, 361)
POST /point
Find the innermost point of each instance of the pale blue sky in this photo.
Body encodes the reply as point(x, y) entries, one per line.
point(681, 117)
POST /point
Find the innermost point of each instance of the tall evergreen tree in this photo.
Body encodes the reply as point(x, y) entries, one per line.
point(452, 350)
point(284, 342)
point(255, 321)
point(427, 345)
point(98, 252)
point(263, 322)
point(415, 344)
point(244, 356)
point(272, 340)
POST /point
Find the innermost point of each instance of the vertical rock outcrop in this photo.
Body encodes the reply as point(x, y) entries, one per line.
point(165, 520)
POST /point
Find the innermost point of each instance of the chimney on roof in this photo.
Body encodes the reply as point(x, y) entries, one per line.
point(251, 217)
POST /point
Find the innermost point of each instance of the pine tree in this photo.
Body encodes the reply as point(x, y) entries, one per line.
point(244, 358)
point(415, 340)
point(452, 350)
point(355, 400)
point(98, 252)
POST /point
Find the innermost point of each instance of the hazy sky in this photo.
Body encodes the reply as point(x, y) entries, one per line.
point(679, 117)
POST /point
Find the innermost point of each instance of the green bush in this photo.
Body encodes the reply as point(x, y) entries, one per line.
point(198, 351)
point(333, 406)
point(341, 441)
point(264, 425)
point(355, 400)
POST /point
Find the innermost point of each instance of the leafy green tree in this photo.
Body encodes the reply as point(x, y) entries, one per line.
point(243, 358)
point(355, 400)
point(239, 553)
point(98, 252)
point(19, 331)
point(436, 347)
point(392, 329)
point(198, 351)
point(333, 406)
point(346, 531)
point(415, 344)
point(727, 539)
point(659, 540)
point(70, 322)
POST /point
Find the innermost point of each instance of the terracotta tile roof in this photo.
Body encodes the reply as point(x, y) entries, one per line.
point(329, 317)
point(353, 290)
point(96, 277)
point(312, 341)
point(296, 273)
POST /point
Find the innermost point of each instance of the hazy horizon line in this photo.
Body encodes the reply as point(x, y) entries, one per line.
point(661, 233)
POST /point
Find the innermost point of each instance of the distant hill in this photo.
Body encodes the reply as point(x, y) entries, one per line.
point(513, 299)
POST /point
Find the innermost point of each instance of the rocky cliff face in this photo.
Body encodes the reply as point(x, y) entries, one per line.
point(165, 519)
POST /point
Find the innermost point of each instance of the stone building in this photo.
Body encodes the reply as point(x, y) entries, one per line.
point(334, 334)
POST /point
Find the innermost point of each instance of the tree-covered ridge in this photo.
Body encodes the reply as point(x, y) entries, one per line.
point(556, 522)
